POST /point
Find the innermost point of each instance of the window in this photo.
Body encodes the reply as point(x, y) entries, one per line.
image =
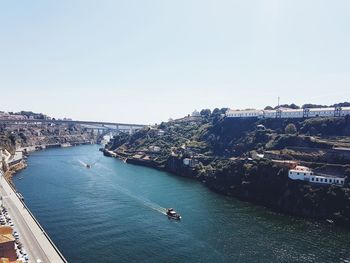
point(325, 180)
point(341, 181)
point(297, 173)
point(304, 173)
point(330, 180)
point(337, 181)
point(312, 179)
point(321, 180)
point(316, 179)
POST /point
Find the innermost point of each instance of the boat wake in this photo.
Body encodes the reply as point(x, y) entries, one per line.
point(82, 163)
point(88, 165)
point(142, 200)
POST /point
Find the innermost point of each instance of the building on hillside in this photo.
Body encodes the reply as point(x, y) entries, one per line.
point(243, 113)
point(290, 113)
point(7, 116)
point(306, 174)
point(7, 243)
point(190, 162)
point(160, 132)
point(154, 148)
point(195, 113)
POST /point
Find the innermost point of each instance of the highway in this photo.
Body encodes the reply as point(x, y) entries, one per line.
point(32, 236)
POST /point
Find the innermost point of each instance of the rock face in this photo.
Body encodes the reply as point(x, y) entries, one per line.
point(222, 153)
point(264, 183)
point(176, 166)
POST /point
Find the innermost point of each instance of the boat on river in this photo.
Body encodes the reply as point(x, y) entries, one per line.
point(171, 213)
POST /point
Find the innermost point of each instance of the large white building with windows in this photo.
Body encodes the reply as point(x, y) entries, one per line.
point(305, 174)
point(290, 113)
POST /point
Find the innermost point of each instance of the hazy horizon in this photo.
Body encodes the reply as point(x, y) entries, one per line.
point(148, 61)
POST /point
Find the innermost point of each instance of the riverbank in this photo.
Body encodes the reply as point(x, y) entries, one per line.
point(112, 210)
point(33, 236)
point(260, 182)
point(18, 161)
point(13, 170)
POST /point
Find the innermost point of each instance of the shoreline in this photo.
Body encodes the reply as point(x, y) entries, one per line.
point(22, 164)
point(219, 189)
point(43, 240)
point(43, 244)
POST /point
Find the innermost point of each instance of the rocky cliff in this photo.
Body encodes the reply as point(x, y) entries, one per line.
point(226, 155)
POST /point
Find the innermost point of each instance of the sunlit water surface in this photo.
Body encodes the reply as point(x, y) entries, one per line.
point(113, 212)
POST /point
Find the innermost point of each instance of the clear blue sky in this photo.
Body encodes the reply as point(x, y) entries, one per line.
point(147, 60)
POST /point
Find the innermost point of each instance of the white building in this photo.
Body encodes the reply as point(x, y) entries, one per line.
point(290, 113)
point(345, 111)
point(153, 148)
point(322, 112)
point(269, 114)
point(195, 114)
point(305, 174)
point(243, 113)
point(160, 132)
point(190, 162)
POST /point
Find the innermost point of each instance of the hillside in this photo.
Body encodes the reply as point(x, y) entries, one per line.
point(244, 158)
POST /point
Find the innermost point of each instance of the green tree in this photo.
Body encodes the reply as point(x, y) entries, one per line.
point(205, 112)
point(290, 129)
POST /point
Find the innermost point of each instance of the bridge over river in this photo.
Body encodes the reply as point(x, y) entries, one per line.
point(98, 125)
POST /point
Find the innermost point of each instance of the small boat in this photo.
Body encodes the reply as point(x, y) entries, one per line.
point(171, 213)
point(329, 221)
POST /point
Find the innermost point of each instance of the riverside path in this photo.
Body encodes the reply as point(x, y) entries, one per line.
point(33, 237)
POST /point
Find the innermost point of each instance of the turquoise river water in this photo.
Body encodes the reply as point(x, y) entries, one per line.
point(113, 212)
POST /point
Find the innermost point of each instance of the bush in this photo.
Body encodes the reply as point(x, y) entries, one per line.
point(290, 129)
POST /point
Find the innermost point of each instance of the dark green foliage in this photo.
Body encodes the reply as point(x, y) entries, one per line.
point(223, 110)
point(118, 140)
point(38, 116)
point(312, 106)
point(23, 137)
point(205, 112)
point(289, 106)
point(326, 126)
point(342, 104)
point(290, 129)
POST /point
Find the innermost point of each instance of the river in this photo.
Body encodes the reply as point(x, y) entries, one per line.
point(113, 212)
